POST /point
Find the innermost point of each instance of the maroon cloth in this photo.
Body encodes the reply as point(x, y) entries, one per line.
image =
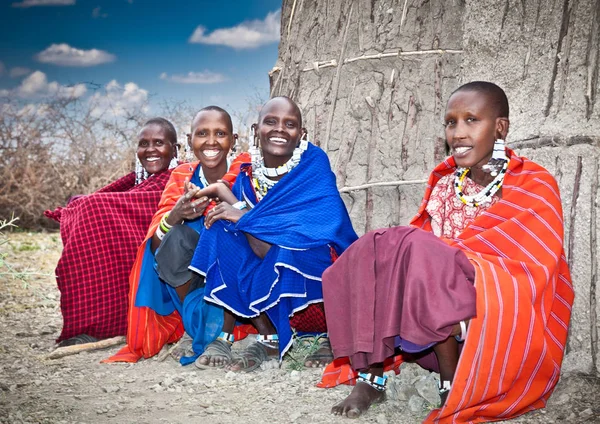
point(100, 234)
point(399, 281)
point(310, 319)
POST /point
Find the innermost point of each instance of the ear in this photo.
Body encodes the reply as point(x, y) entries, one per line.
point(189, 139)
point(176, 147)
point(502, 125)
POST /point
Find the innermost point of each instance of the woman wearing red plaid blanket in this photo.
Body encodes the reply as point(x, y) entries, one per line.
point(100, 234)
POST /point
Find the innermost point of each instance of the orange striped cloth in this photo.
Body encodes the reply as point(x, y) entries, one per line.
point(511, 359)
point(147, 331)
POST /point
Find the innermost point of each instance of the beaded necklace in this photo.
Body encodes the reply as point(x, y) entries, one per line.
point(484, 197)
point(261, 181)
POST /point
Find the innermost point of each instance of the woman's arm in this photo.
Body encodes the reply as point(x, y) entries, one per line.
point(259, 247)
point(189, 206)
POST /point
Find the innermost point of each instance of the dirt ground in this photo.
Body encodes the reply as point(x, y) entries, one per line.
point(78, 389)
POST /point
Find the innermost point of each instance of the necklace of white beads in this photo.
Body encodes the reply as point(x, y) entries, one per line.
point(262, 175)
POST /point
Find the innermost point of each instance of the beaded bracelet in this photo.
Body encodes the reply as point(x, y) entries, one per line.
point(241, 205)
point(164, 225)
point(160, 233)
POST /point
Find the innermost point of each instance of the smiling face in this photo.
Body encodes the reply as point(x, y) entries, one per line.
point(155, 150)
point(211, 138)
point(279, 130)
point(472, 126)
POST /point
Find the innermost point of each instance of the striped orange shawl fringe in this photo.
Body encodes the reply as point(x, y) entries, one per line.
point(511, 358)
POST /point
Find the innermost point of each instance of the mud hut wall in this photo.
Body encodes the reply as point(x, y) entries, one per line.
point(379, 117)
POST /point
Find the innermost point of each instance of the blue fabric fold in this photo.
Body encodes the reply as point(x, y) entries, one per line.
point(201, 320)
point(302, 217)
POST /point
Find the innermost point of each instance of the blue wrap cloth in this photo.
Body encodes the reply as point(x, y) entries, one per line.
point(302, 217)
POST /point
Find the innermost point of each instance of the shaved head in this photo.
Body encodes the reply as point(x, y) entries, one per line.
point(216, 109)
point(495, 95)
point(278, 99)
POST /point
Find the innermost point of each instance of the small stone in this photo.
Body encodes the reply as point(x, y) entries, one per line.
point(295, 416)
point(295, 375)
point(381, 419)
point(586, 413)
point(563, 399)
point(111, 389)
point(428, 390)
point(230, 375)
point(416, 404)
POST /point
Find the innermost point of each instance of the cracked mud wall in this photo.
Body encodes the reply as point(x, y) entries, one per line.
point(373, 76)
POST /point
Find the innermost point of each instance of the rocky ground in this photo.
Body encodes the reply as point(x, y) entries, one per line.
point(78, 389)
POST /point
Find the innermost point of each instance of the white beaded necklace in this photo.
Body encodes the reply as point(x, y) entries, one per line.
point(261, 173)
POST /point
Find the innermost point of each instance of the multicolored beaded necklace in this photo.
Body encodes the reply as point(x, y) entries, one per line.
point(485, 196)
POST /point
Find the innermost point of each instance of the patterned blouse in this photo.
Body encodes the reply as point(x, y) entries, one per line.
point(450, 216)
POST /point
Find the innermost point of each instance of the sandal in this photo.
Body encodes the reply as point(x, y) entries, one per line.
point(254, 355)
point(322, 356)
point(182, 348)
point(220, 347)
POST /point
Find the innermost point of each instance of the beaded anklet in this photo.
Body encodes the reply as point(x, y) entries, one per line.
point(226, 337)
point(375, 381)
point(268, 340)
point(445, 387)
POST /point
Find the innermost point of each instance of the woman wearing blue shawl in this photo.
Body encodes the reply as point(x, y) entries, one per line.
point(270, 239)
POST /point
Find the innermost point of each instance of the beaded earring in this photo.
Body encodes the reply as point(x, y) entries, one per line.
point(497, 160)
point(189, 153)
point(255, 151)
point(140, 173)
point(304, 136)
point(175, 159)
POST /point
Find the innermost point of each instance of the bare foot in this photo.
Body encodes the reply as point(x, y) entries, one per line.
point(217, 355)
point(250, 358)
point(322, 356)
point(358, 401)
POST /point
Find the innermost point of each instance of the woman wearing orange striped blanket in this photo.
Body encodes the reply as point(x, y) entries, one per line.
point(477, 288)
point(159, 309)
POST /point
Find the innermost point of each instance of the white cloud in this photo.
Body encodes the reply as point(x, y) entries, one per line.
point(246, 35)
point(65, 55)
point(117, 101)
point(2, 68)
point(19, 71)
point(205, 77)
point(32, 3)
point(36, 85)
point(97, 13)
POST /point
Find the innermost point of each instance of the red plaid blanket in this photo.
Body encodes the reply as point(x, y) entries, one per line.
point(100, 234)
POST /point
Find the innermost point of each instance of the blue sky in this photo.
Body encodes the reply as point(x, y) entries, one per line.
point(204, 52)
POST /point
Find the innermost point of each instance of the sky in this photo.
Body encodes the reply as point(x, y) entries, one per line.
point(125, 52)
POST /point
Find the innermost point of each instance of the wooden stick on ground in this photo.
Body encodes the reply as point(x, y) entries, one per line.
point(85, 347)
